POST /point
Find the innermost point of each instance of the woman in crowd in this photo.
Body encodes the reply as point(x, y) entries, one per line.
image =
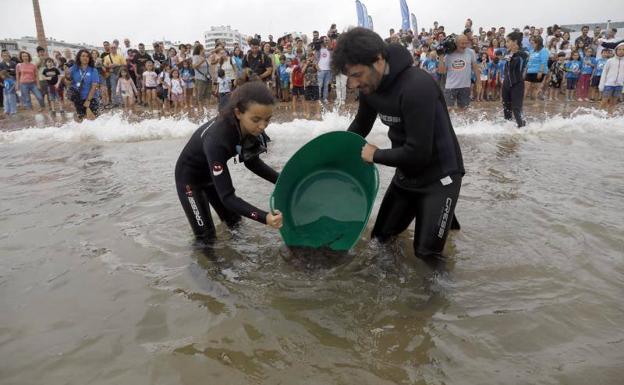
point(203, 84)
point(537, 67)
point(85, 86)
point(28, 81)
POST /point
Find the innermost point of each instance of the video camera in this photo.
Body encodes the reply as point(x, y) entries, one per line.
point(448, 45)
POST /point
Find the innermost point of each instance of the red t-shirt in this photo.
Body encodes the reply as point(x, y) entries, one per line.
point(297, 77)
point(27, 71)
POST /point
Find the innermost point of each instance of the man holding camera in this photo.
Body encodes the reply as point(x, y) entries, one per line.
point(458, 62)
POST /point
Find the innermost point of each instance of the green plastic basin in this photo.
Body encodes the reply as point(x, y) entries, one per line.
point(326, 192)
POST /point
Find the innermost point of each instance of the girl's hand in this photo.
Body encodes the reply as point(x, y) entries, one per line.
point(274, 219)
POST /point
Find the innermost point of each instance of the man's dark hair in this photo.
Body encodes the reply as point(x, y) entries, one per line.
point(40, 48)
point(585, 26)
point(467, 31)
point(254, 42)
point(357, 46)
point(91, 61)
point(517, 37)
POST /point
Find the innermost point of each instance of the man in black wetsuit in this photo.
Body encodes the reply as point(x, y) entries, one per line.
point(425, 151)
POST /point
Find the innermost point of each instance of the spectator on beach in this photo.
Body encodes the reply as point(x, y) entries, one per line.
point(150, 83)
point(51, 75)
point(39, 61)
point(585, 38)
point(237, 61)
point(596, 76)
point(612, 79)
point(203, 81)
point(84, 86)
point(557, 73)
point(458, 67)
point(126, 47)
point(258, 61)
point(324, 70)
point(537, 66)
point(176, 90)
point(127, 89)
point(9, 91)
point(573, 71)
point(589, 63)
point(28, 81)
point(188, 76)
point(113, 63)
point(159, 56)
point(104, 75)
point(297, 84)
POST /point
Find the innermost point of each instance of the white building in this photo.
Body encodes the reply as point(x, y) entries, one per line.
point(226, 35)
point(30, 43)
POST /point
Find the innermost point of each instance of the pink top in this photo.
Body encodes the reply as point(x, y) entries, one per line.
point(27, 71)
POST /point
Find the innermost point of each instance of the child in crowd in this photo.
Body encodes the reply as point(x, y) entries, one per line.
point(589, 63)
point(557, 72)
point(150, 82)
point(495, 74)
point(573, 71)
point(431, 65)
point(297, 85)
point(224, 88)
point(126, 88)
point(484, 76)
point(284, 71)
point(64, 85)
point(164, 80)
point(612, 79)
point(9, 92)
point(595, 80)
point(176, 90)
point(188, 76)
point(565, 48)
point(51, 76)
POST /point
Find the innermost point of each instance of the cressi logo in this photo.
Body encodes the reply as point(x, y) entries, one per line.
point(217, 169)
point(459, 64)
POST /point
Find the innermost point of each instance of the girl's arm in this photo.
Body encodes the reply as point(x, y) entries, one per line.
point(18, 75)
point(136, 92)
point(118, 89)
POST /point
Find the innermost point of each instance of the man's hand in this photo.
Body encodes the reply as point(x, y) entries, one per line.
point(368, 152)
point(274, 219)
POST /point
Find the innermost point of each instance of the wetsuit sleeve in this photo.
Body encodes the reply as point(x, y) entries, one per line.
point(608, 45)
point(363, 122)
point(418, 110)
point(264, 171)
point(217, 160)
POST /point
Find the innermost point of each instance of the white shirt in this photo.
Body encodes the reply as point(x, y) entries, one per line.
point(324, 59)
point(150, 78)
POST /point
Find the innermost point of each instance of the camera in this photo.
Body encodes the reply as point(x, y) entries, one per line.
point(448, 45)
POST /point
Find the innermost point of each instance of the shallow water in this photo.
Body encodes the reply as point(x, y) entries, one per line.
point(101, 282)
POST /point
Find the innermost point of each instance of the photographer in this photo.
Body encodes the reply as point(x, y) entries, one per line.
point(258, 62)
point(457, 62)
point(425, 151)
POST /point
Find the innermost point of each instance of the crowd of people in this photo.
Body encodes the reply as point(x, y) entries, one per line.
point(470, 66)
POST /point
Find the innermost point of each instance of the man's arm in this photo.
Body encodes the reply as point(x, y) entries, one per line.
point(442, 64)
point(364, 120)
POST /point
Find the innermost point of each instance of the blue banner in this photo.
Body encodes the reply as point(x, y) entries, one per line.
point(366, 24)
point(360, 13)
point(370, 23)
point(405, 18)
point(414, 25)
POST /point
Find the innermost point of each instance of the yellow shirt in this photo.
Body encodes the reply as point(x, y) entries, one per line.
point(114, 60)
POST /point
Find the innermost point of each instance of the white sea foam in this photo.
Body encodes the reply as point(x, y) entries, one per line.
point(114, 128)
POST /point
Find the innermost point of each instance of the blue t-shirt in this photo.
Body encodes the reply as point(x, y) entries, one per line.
point(588, 65)
point(431, 66)
point(9, 86)
point(600, 63)
point(537, 59)
point(283, 73)
point(493, 68)
point(85, 79)
point(573, 69)
point(187, 74)
point(485, 68)
point(501, 69)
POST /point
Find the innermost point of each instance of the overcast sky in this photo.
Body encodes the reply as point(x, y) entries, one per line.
point(93, 21)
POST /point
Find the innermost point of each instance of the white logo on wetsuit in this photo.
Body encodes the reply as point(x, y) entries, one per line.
point(389, 120)
point(198, 217)
point(447, 211)
point(217, 169)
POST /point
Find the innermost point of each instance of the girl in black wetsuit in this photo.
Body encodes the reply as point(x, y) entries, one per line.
point(201, 174)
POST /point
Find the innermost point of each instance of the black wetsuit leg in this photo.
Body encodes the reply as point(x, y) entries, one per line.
point(432, 206)
point(197, 209)
point(513, 98)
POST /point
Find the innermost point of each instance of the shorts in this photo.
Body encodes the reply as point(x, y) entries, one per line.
point(285, 84)
point(595, 81)
point(555, 84)
point(81, 111)
point(532, 78)
point(203, 89)
point(189, 85)
point(177, 97)
point(298, 91)
point(571, 83)
point(484, 78)
point(312, 92)
point(461, 96)
point(43, 87)
point(52, 93)
point(612, 91)
point(149, 88)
